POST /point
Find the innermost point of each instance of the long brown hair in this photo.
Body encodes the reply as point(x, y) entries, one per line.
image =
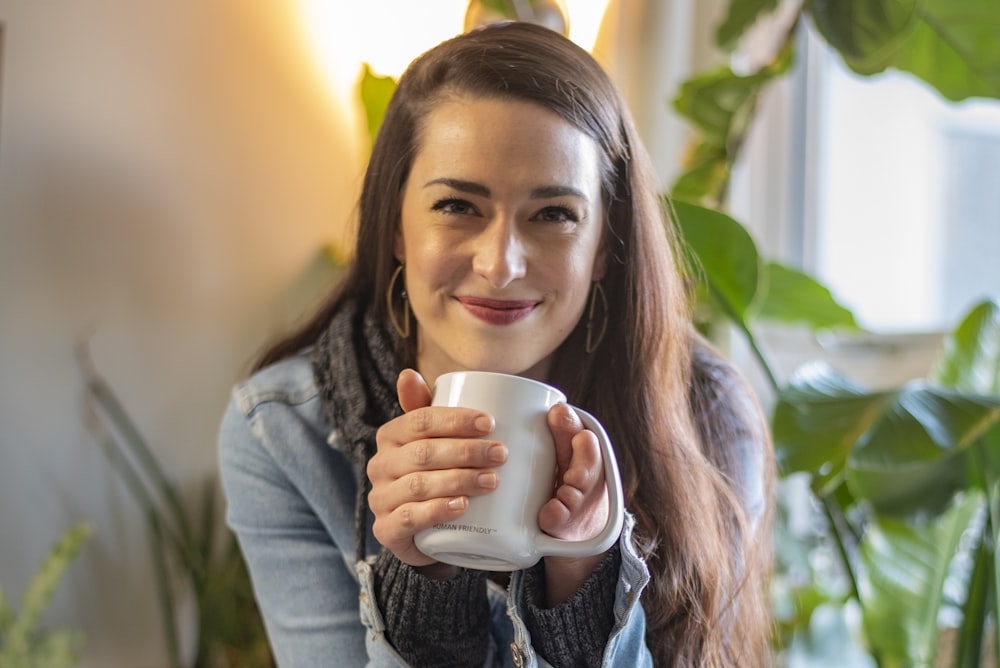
point(683, 425)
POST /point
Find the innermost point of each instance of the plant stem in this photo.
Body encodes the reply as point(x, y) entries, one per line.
point(976, 609)
point(758, 352)
point(751, 339)
point(837, 521)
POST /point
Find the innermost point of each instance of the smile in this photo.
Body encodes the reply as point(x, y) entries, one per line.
point(498, 311)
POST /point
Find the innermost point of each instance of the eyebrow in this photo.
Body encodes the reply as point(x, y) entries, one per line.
point(473, 188)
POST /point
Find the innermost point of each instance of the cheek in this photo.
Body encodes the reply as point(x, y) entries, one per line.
point(429, 269)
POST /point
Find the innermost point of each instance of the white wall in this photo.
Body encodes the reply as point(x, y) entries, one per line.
point(168, 171)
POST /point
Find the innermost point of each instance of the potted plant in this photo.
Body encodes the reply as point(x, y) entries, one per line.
point(195, 552)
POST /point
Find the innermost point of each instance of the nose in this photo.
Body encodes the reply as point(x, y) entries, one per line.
point(500, 254)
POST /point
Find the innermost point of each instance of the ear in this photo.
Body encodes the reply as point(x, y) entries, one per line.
point(398, 247)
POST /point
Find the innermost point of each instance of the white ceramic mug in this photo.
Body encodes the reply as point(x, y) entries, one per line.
point(499, 531)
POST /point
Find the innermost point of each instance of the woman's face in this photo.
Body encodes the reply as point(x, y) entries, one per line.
point(501, 235)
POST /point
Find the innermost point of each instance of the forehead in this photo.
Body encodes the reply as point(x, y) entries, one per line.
point(511, 136)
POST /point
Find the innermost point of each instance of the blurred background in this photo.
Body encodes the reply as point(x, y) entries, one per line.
point(175, 177)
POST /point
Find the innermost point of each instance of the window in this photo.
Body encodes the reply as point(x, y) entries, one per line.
point(904, 224)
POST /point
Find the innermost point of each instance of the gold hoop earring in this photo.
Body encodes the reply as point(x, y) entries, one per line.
point(596, 292)
point(404, 331)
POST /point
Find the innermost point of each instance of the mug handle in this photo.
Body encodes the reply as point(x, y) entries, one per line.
point(557, 547)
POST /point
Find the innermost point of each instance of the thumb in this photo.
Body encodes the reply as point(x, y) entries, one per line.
point(413, 391)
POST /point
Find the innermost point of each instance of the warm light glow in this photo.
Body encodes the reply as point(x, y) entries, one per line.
point(585, 18)
point(388, 34)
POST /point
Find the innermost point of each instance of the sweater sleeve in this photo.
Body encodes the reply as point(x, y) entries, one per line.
point(433, 622)
point(575, 632)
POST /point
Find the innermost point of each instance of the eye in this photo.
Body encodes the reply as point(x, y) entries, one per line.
point(454, 206)
point(557, 214)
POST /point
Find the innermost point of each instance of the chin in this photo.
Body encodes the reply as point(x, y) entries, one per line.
point(537, 369)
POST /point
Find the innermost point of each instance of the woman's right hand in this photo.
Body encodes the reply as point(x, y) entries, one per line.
point(429, 461)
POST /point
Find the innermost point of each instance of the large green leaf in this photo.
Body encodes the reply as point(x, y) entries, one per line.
point(950, 44)
point(904, 569)
point(970, 360)
point(741, 15)
point(725, 252)
point(913, 457)
point(795, 297)
point(818, 418)
point(867, 33)
point(955, 47)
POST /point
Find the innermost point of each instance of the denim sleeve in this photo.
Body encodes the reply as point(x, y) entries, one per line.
point(306, 592)
point(626, 645)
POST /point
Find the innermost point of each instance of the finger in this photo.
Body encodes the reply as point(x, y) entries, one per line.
point(412, 390)
point(564, 423)
point(432, 422)
point(396, 530)
point(440, 454)
point(429, 486)
point(579, 459)
point(578, 507)
point(586, 468)
point(572, 516)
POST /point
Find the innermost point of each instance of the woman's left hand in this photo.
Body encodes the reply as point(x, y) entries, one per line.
point(579, 508)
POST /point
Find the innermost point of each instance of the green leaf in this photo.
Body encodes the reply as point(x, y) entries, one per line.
point(975, 611)
point(720, 103)
point(376, 91)
point(904, 566)
point(970, 360)
point(867, 33)
point(795, 297)
point(6, 614)
point(54, 649)
point(994, 506)
point(39, 592)
point(741, 15)
point(818, 418)
point(912, 459)
point(706, 175)
point(955, 48)
point(502, 7)
point(726, 253)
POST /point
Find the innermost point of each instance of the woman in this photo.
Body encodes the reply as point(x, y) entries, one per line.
point(508, 222)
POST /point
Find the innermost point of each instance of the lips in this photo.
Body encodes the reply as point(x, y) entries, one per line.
point(498, 311)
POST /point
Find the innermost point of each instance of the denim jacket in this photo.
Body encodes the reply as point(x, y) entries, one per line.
point(291, 493)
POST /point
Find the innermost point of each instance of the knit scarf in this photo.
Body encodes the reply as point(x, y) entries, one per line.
point(356, 366)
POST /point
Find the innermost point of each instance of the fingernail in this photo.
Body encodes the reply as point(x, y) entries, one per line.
point(487, 480)
point(484, 423)
point(497, 453)
point(458, 503)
